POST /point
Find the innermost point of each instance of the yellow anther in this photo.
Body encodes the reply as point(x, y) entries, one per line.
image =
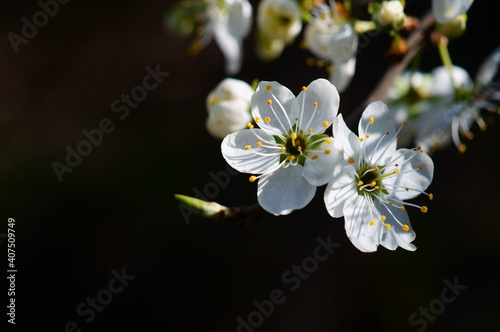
point(214, 101)
point(258, 143)
point(296, 119)
point(431, 197)
point(397, 171)
point(304, 88)
point(398, 138)
point(462, 148)
point(269, 101)
point(373, 184)
point(299, 148)
point(252, 178)
point(420, 168)
point(360, 139)
point(372, 222)
point(367, 135)
point(390, 203)
point(386, 133)
point(268, 87)
point(310, 130)
point(293, 135)
point(401, 208)
point(377, 187)
point(377, 169)
point(327, 151)
point(249, 125)
point(314, 157)
point(351, 160)
point(388, 227)
point(360, 182)
point(328, 141)
point(403, 124)
point(320, 63)
point(383, 218)
point(282, 148)
point(257, 119)
point(424, 209)
point(326, 124)
point(421, 150)
point(267, 119)
point(248, 147)
point(315, 104)
point(405, 228)
point(407, 189)
point(372, 120)
point(329, 69)
point(290, 158)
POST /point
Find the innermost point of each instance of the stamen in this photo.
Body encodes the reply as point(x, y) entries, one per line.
point(267, 119)
point(327, 151)
point(372, 120)
point(252, 178)
point(351, 160)
point(268, 87)
point(257, 119)
point(383, 218)
point(269, 101)
point(372, 222)
point(247, 147)
point(249, 125)
point(314, 157)
point(325, 124)
point(388, 226)
point(405, 228)
point(315, 104)
point(259, 143)
point(424, 209)
point(304, 88)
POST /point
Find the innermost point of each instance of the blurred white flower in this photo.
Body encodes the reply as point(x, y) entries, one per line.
point(288, 151)
point(371, 190)
point(390, 14)
point(465, 99)
point(446, 11)
point(278, 23)
point(228, 107)
point(330, 37)
point(226, 21)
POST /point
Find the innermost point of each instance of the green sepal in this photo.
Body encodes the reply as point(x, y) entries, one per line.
point(315, 141)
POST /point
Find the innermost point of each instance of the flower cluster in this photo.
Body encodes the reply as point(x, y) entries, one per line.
point(368, 178)
point(292, 144)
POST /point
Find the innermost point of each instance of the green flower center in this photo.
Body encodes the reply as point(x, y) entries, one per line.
point(370, 180)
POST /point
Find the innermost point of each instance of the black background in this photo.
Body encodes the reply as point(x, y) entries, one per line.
point(116, 210)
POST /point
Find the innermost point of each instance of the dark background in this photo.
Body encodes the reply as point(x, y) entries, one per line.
point(116, 209)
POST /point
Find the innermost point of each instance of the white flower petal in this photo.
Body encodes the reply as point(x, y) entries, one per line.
point(381, 142)
point(343, 44)
point(488, 69)
point(274, 107)
point(256, 160)
point(284, 190)
point(231, 48)
point(327, 163)
point(341, 190)
point(342, 74)
point(318, 105)
point(447, 10)
point(358, 214)
point(228, 116)
point(396, 236)
point(240, 18)
point(416, 172)
point(347, 140)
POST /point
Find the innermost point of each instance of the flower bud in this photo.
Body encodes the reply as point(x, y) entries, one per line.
point(228, 107)
point(390, 14)
point(454, 28)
